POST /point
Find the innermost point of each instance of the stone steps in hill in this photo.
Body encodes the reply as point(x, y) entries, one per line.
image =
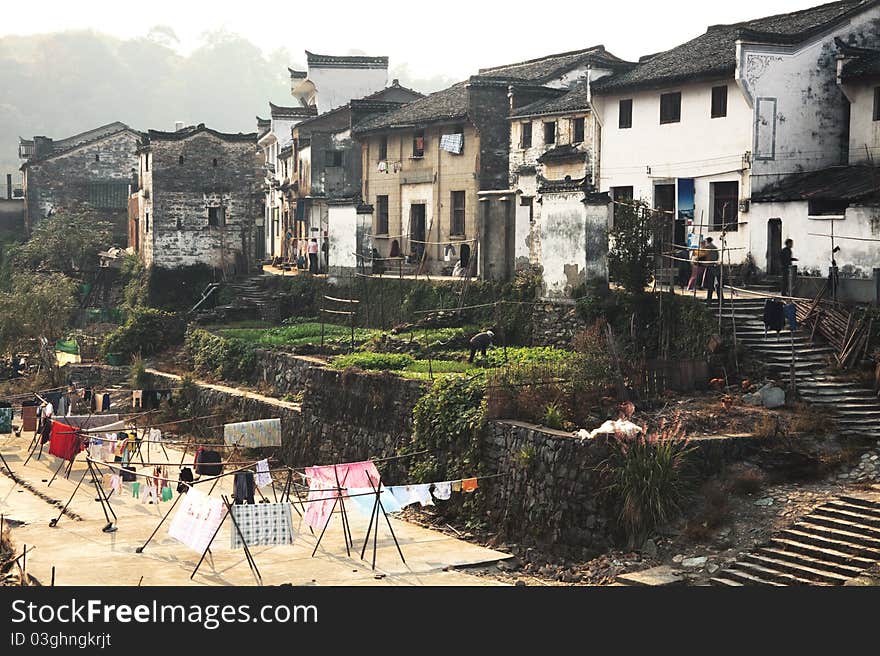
point(831, 545)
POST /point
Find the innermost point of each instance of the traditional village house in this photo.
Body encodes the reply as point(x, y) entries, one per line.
point(561, 223)
point(332, 80)
point(428, 165)
point(836, 207)
point(198, 199)
point(700, 129)
point(326, 174)
point(93, 168)
point(272, 142)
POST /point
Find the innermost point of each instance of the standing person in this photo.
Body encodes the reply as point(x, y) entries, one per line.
point(481, 341)
point(325, 250)
point(313, 256)
point(785, 260)
point(711, 278)
point(697, 268)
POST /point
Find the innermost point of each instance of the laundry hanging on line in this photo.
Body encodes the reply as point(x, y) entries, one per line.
point(262, 524)
point(324, 482)
point(253, 434)
point(197, 520)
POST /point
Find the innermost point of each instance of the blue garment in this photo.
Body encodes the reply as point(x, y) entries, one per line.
point(364, 502)
point(790, 312)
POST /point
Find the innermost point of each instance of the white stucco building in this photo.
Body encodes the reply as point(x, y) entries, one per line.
point(837, 206)
point(331, 80)
point(703, 129)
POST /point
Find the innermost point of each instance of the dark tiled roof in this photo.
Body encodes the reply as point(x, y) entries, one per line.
point(278, 111)
point(550, 66)
point(376, 101)
point(451, 103)
point(576, 184)
point(192, 130)
point(347, 61)
point(714, 53)
point(559, 153)
point(297, 75)
point(851, 182)
point(61, 146)
point(574, 100)
point(864, 65)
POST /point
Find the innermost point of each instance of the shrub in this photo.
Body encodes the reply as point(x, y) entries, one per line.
point(448, 423)
point(146, 331)
point(644, 479)
point(553, 417)
point(745, 480)
point(375, 361)
point(216, 356)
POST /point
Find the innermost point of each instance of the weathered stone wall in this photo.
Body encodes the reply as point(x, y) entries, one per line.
point(283, 373)
point(94, 375)
point(74, 177)
point(188, 175)
point(554, 324)
point(550, 493)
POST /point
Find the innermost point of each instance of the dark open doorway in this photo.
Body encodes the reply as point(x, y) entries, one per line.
point(774, 246)
point(417, 231)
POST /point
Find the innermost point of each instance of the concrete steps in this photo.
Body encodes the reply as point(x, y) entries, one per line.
point(836, 542)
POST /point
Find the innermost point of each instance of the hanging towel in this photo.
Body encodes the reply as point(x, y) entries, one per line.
point(455, 486)
point(469, 485)
point(402, 494)
point(443, 491)
point(422, 494)
point(262, 524)
point(263, 477)
point(362, 501)
point(253, 434)
point(64, 441)
point(155, 435)
point(197, 520)
point(116, 483)
point(366, 497)
point(324, 479)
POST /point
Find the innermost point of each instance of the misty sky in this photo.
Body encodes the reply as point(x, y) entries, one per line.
point(448, 37)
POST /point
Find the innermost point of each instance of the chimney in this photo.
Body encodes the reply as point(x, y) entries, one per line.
point(42, 146)
point(178, 126)
point(8, 186)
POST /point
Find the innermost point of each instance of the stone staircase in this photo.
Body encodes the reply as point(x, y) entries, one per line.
point(836, 542)
point(856, 409)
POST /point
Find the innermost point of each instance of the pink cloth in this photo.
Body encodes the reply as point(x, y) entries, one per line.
point(323, 479)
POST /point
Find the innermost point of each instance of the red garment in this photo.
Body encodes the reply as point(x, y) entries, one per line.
point(64, 441)
point(323, 479)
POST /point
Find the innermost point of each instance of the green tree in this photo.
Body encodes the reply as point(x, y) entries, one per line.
point(67, 241)
point(35, 305)
point(629, 257)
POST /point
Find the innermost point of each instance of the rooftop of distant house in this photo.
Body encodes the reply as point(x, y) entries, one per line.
point(343, 61)
point(452, 103)
point(853, 182)
point(193, 130)
point(60, 146)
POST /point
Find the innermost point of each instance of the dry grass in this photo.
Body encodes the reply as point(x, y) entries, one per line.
point(742, 480)
point(807, 420)
point(767, 427)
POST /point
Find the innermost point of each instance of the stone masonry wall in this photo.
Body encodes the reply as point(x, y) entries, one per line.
point(554, 324)
point(67, 179)
point(283, 373)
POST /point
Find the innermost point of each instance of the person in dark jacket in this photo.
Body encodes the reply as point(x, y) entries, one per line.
point(481, 341)
point(785, 260)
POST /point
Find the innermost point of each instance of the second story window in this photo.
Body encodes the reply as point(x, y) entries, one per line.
point(719, 102)
point(525, 140)
point(670, 107)
point(217, 216)
point(418, 148)
point(381, 215)
point(97, 157)
point(877, 103)
point(550, 132)
point(577, 130)
point(456, 226)
point(147, 162)
point(180, 160)
point(625, 114)
point(383, 148)
point(333, 157)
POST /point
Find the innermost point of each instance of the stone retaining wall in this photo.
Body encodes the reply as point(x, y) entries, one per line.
point(284, 373)
point(554, 324)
